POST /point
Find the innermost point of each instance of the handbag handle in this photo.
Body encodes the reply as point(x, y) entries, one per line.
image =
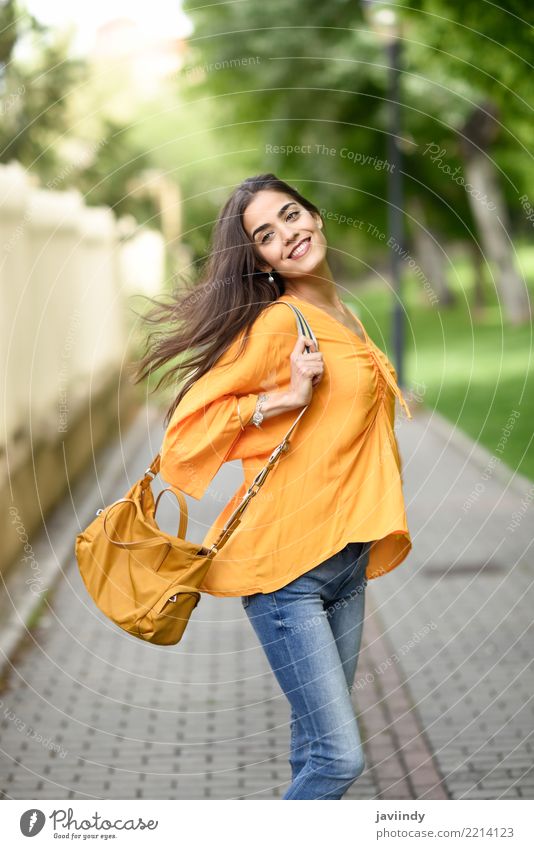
point(182, 527)
point(143, 543)
point(236, 516)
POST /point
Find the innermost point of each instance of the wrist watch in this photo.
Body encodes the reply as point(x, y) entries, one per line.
point(257, 418)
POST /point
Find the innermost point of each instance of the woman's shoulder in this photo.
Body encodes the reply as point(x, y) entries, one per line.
point(273, 333)
point(277, 318)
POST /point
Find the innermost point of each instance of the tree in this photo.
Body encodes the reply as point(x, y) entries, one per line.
point(489, 209)
point(314, 75)
point(34, 103)
point(53, 121)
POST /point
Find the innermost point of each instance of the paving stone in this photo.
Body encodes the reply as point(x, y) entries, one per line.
point(445, 716)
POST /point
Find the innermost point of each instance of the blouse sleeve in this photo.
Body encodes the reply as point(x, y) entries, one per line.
point(211, 424)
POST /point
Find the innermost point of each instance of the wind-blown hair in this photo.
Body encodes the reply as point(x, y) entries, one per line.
point(232, 290)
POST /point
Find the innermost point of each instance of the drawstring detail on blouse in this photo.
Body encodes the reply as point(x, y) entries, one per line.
point(392, 383)
point(388, 377)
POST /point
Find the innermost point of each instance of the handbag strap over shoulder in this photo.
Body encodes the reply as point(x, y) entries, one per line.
point(235, 518)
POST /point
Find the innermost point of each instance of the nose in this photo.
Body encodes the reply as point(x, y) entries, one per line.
point(290, 236)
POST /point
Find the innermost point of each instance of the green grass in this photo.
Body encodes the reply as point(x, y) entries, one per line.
point(477, 372)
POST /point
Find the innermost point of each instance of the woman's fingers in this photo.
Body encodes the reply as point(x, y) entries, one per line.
point(304, 342)
point(306, 367)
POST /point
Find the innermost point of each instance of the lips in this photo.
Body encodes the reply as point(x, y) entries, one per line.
point(300, 248)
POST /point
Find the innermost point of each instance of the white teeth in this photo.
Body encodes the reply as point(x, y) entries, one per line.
point(300, 249)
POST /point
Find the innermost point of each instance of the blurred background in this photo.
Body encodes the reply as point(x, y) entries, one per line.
point(126, 126)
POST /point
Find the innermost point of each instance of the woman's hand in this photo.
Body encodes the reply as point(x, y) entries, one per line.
point(306, 371)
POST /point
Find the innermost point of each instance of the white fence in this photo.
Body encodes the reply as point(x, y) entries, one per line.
point(65, 278)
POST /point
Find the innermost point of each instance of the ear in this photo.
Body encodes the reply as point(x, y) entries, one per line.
point(263, 266)
point(259, 262)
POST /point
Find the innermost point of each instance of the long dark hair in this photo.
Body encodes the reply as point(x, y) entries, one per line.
point(230, 294)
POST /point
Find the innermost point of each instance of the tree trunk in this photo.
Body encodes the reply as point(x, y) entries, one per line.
point(492, 224)
point(479, 289)
point(489, 210)
point(430, 257)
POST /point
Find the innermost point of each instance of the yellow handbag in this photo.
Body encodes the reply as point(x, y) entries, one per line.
point(143, 579)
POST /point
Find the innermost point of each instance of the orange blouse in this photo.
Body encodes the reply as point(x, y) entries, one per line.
point(341, 479)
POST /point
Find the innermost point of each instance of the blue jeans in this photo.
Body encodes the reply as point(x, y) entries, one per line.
point(311, 631)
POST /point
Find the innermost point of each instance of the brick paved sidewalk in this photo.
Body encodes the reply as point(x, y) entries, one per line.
point(471, 574)
point(442, 690)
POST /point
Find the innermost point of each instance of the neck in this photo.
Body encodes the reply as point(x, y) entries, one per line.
point(318, 287)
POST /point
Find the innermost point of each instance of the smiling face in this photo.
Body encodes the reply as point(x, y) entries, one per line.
point(286, 236)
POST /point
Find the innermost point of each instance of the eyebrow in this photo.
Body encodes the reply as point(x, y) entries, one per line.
point(278, 215)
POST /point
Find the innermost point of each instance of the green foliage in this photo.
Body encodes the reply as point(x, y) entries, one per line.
point(305, 80)
point(33, 91)
point(108, 178)
point(51, 124)
point(471, 53)
point(282, 74)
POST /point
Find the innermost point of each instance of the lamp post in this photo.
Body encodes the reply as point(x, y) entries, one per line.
point(384, 22)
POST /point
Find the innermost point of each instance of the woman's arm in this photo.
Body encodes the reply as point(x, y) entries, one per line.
point(272, 404)
point(196, 444)
point(306, 373)
point(217, 410)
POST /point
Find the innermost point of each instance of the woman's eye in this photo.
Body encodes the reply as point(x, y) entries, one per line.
point(295, 212)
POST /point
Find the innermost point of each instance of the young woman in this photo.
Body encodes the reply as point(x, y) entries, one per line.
point(331, 514)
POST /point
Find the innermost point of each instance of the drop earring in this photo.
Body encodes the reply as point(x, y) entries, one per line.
point(271, 278)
